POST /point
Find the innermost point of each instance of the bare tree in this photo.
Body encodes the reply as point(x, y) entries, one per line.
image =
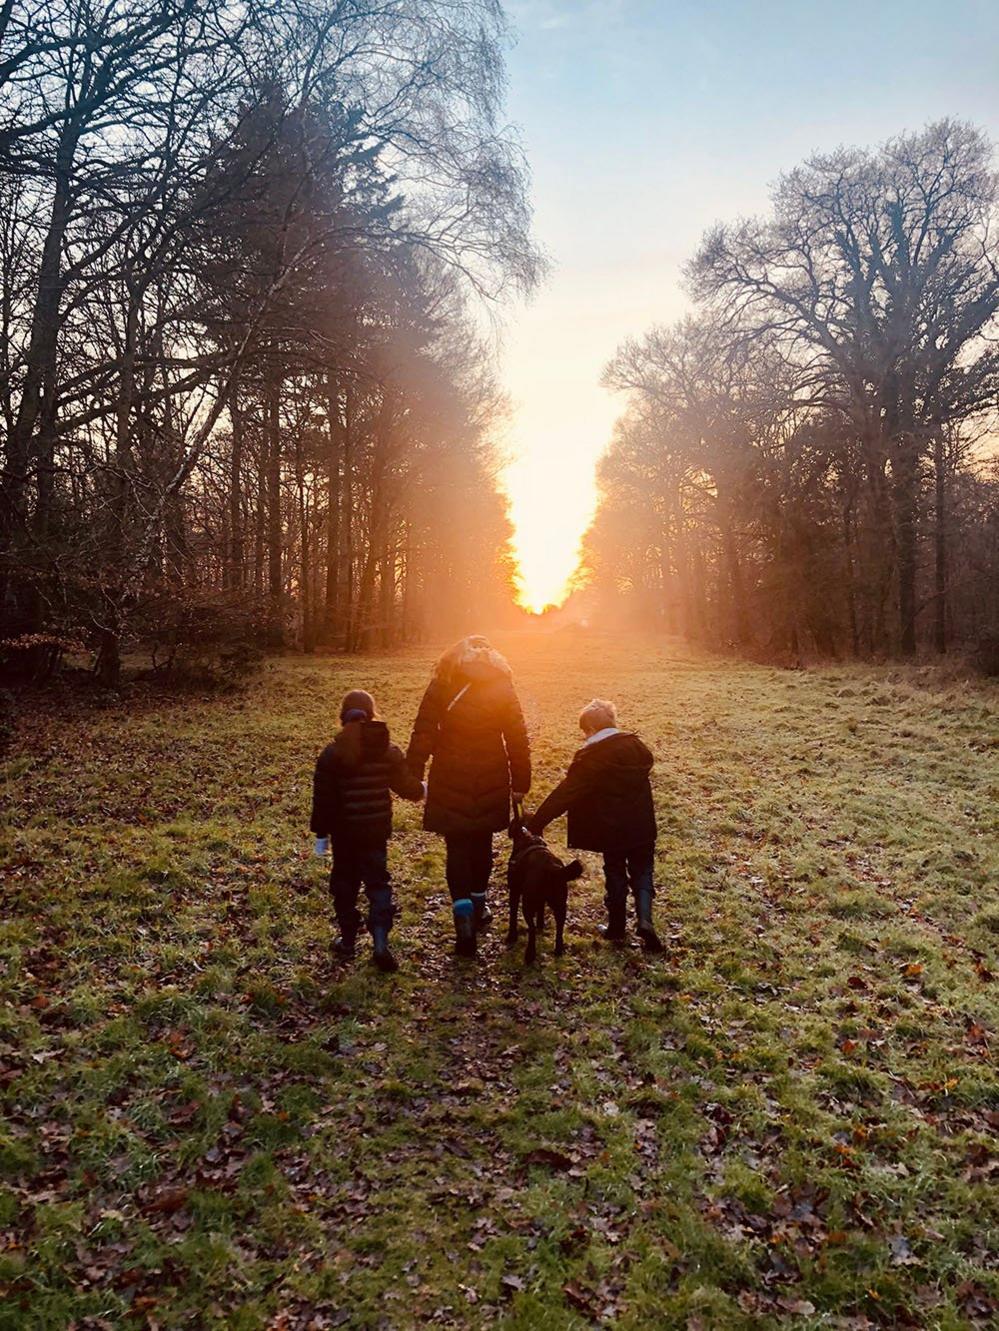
point(878, 272)
point(227, 224)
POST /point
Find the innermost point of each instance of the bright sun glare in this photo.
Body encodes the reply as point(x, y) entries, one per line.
point(562, 422)
point(549, 520)
point(544, 570)
point(552, 358)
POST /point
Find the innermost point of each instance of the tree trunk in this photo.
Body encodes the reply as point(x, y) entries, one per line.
point(387, 585)
point(273, 430)
point(940, 545)
point(880, 553)
point(38, 388)
point(406, 589)
point(699, 618)
point(851, 594)
point(260, 522)
point(176, 550)
point(335, 430)
point(304, 550)
point(904, 493)
point(235, 571)
point(365, 599)
point(349, 612)
point(107, 668)
point(733, 569)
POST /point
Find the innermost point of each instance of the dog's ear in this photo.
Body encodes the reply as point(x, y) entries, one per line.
point(572, 871)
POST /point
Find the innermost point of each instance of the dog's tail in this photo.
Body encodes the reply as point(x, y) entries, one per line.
point(573, 871)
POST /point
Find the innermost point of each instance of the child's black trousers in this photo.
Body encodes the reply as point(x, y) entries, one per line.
point(628, 871)
point(356, 865)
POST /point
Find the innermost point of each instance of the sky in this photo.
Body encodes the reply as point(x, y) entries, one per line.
point(645, 121)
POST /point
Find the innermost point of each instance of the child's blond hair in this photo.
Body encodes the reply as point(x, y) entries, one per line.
point(597, 715)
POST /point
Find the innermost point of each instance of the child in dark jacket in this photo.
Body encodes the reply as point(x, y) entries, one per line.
point(352, 808)
point(608, 796)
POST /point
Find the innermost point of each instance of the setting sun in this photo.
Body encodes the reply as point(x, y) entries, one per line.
point(546, 537)
point(562, 422)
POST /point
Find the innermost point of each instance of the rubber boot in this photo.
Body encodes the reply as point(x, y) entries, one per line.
point(481, 914)
point(645, 928)
point(381, 956)
point(464, 927)
point(614, 930)
point(345, 947)
point(351, 922)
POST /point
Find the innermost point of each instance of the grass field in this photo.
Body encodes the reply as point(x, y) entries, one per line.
point(789, 1119)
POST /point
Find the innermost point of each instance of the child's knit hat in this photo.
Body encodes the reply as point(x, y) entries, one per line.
point(357, 706)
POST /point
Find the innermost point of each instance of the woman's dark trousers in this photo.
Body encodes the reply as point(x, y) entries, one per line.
point(468, 864)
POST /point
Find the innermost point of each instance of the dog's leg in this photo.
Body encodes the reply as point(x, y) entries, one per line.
point(530, 956)
point(513, 931)
point(532, 935)
point(558, 910)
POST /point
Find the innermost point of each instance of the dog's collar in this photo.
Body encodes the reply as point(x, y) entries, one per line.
point(535, 843)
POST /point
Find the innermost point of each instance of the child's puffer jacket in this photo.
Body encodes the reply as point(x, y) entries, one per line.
point(354, 778)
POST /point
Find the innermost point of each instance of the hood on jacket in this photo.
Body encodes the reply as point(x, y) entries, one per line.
point(472, 658)
point(483, 663)
point(622, 750)
point(359, 741)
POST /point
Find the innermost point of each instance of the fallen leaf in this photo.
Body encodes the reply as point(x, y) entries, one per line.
point(579, 1296)
point(901, 1252)
point(167, 1202)
point(544, 1155)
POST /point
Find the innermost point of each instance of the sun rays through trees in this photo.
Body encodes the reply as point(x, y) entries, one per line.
point(242, 393)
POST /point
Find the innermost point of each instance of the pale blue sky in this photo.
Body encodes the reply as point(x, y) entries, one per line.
point(644, 123)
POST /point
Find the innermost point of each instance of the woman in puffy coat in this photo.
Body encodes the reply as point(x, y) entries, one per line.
point(471, 727)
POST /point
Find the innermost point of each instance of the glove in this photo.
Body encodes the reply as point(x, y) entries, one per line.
point(321, 847)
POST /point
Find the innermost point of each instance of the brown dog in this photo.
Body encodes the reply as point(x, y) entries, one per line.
point(537, 878)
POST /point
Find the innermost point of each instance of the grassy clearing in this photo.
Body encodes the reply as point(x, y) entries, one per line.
point(789, 1120)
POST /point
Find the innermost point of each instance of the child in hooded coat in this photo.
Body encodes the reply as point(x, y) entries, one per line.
point(608, 797)
point(352, 809)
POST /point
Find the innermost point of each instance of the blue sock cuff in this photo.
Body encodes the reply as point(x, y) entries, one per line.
point(477, 896)
point(462, 907)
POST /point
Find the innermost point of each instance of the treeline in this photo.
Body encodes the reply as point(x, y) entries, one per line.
point(806, 464)
point(240, 391)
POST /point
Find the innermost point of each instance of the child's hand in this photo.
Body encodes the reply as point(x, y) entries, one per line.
point(321, 847)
